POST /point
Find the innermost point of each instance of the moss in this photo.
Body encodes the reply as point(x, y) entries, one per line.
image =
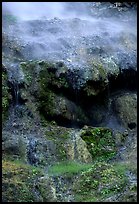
point(6, 95)
point(18, 181)
point(99, 79)
point(102, 74)
point(56, 132)
point(91, 90)
point(29, 70)
point(42, 81)
point(101, 181)
point(52, 75)
point(58, 135)
point(99, 141)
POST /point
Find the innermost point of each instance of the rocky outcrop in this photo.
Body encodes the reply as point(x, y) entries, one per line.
point(125, 107)
point(6, 94)
point(13, 144)
point(68, 118)
point(76, 149)
point(24, 183)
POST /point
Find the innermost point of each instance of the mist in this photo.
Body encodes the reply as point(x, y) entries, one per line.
point(49, 10)
point(69, 30)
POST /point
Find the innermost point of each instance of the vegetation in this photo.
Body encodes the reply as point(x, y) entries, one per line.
point(42, 82)
point(6, 96)
point(68, 168)
point(18, 181)
point(58, 135)
point(100, 181)
point(100, 142)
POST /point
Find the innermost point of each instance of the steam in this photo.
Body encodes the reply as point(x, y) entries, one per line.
point(49, 10)
point(70, 29)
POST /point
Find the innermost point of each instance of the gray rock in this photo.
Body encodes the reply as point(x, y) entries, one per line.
point(14, 144)
point(76, 149)
point(69, 110)
point(125, 107)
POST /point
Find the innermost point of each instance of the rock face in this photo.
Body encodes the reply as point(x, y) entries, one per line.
point(77, 149)
point(27, 184)
point(6, 95)
point(126, 109)
point(14, 145)
point(69, 104)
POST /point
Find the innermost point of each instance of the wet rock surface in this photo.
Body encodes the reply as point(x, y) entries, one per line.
point(69, 97)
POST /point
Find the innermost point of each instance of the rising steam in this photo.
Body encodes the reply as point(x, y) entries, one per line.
point(80, 26)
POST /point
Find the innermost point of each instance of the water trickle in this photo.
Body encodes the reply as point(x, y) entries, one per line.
point(32, 149)
point(16, 93)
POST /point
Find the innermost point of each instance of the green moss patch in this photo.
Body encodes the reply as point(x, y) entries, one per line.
point(43, 80)
point(99, 141)
point(68, 168)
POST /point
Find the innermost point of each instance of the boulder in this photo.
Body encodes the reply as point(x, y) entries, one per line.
point(14, 145)
point(125, 106)
point(76, 149)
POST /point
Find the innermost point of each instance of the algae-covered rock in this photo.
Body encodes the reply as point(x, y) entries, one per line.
point(66, 109)
point(120, 138)
point(46, 82)
point(56, 141)
point(24, 183)
point(96, 79)
point(100, 142)
point(66, 144)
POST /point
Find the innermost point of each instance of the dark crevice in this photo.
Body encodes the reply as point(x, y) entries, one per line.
point(126, 80)
point(132, 125)
point(64, 122)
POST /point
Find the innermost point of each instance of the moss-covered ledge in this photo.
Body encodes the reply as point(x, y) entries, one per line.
point(100, 142)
